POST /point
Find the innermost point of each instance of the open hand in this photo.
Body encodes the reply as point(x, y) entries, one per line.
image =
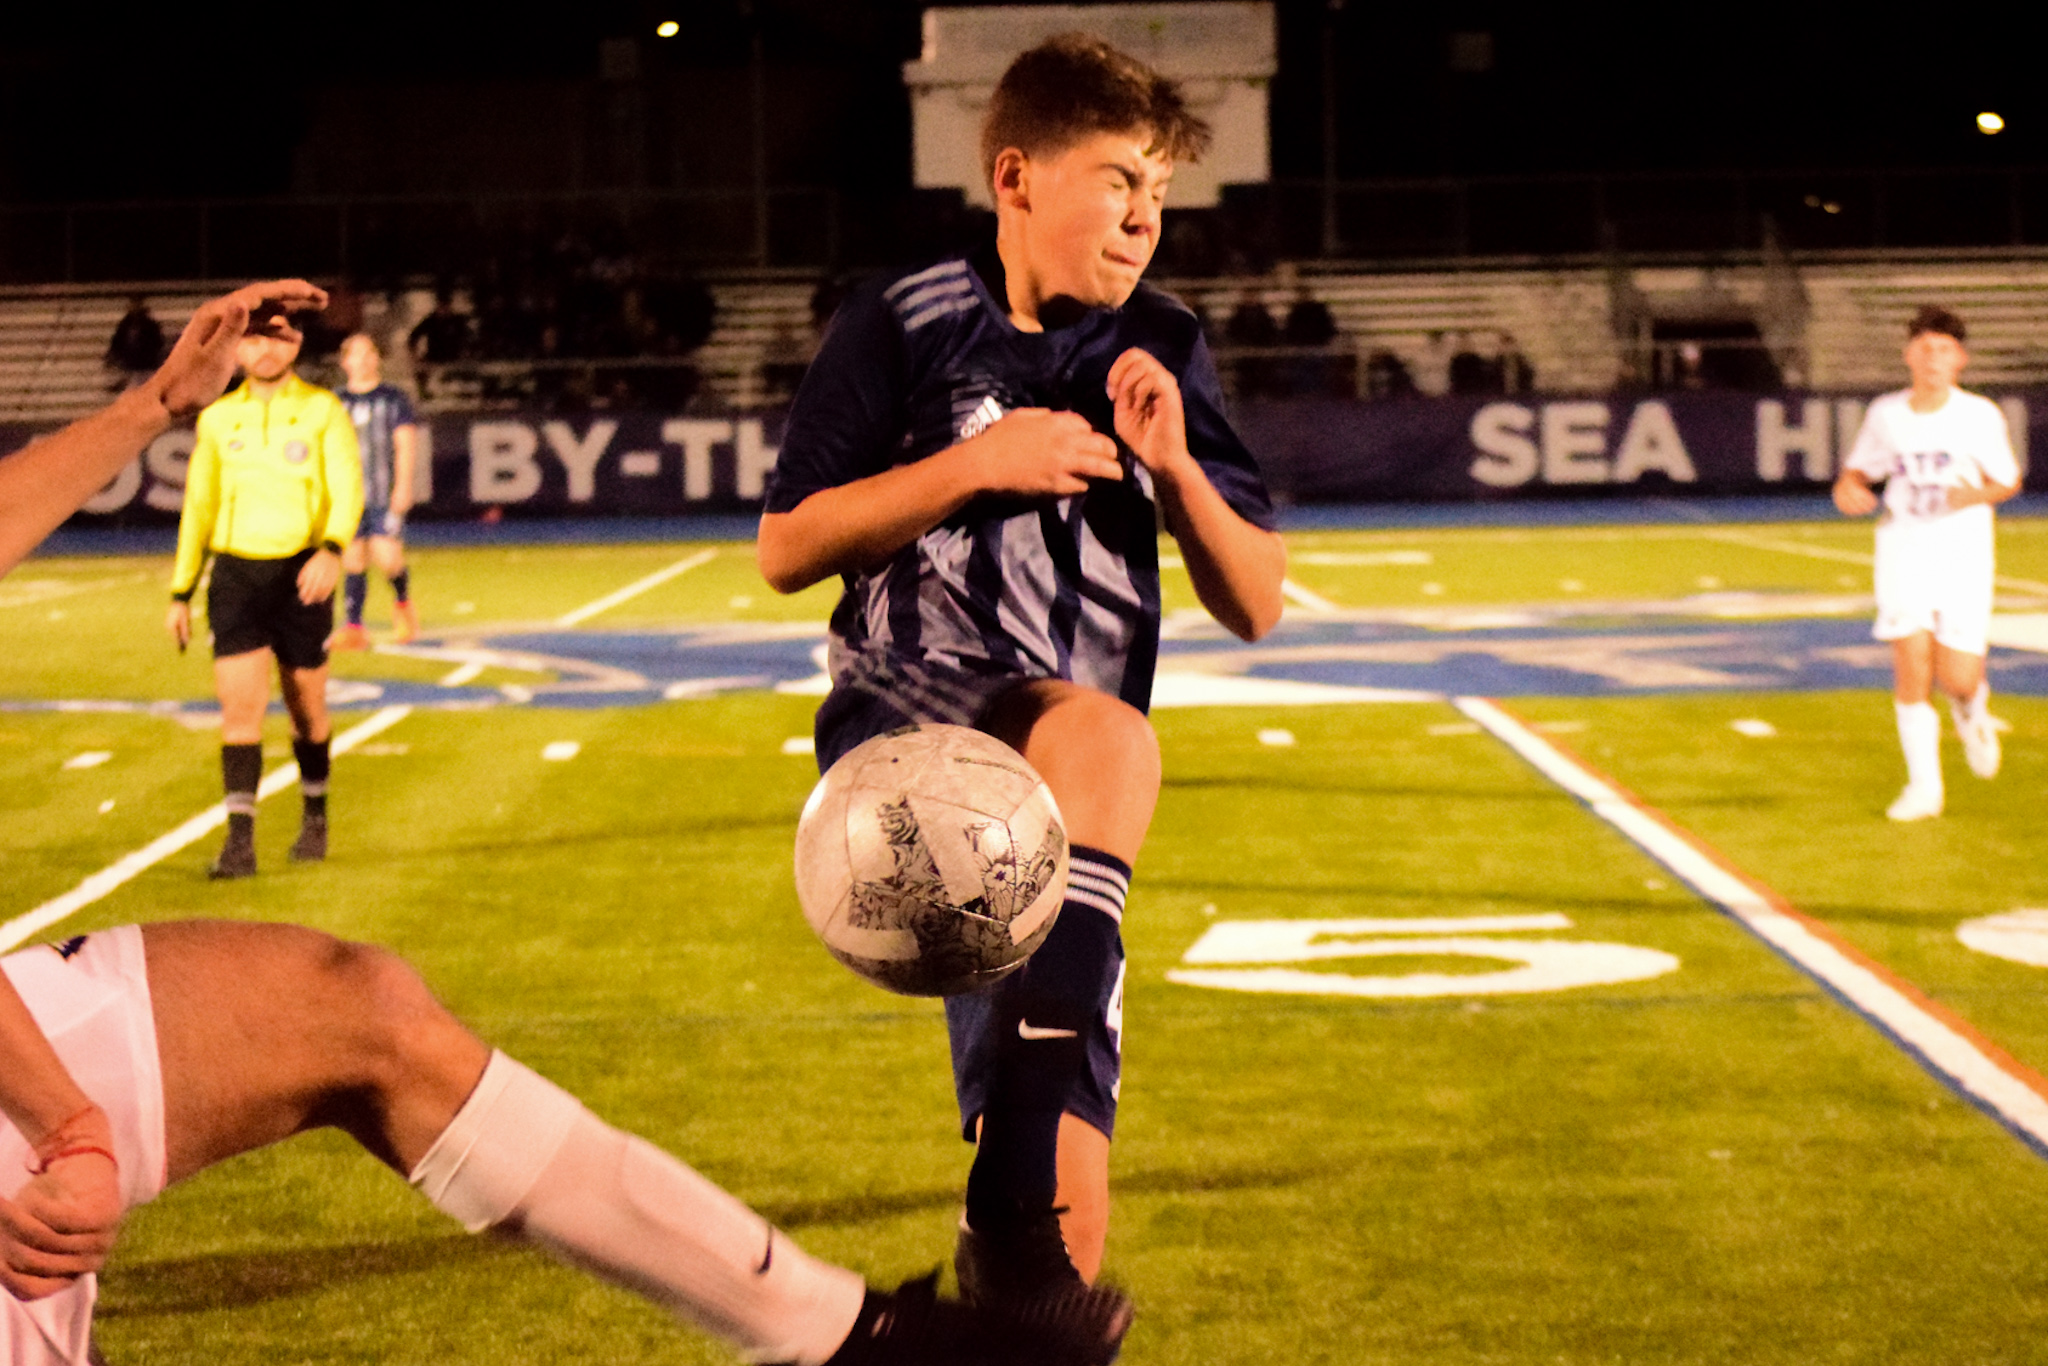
point(203, 361)
point(1149, 415)
point(1032, 452)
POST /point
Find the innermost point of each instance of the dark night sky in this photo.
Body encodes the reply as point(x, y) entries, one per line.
point(93, 105)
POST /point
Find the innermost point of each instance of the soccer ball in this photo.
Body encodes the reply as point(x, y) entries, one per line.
point(931, 860)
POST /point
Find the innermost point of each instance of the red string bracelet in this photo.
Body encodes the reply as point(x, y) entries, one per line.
point(76, 1150)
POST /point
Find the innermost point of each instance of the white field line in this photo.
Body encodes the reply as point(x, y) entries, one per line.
point(1933, 1036)
point(462, 673)
point(636, 588)
point(124, 869)
point(1823, 552)
point(1314, 602)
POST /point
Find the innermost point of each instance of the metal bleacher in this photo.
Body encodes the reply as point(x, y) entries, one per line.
point(52, 338)
point(1859, 311)
point(52, 341)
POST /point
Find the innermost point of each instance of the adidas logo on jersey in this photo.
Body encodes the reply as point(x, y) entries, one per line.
point(985, 415)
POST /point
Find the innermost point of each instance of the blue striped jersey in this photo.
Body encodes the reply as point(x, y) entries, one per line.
point(1006, 587)
point(377, 413)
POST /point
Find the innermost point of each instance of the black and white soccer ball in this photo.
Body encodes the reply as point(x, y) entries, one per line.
point(931, 860)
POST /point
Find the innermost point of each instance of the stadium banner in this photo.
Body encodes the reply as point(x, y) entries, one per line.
point(639, 463)
point(1339, 451)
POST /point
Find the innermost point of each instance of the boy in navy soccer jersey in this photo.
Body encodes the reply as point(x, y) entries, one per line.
point(983, 451)
point(387, 434)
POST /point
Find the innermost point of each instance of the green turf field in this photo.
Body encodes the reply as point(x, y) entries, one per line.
point(1716, 1164)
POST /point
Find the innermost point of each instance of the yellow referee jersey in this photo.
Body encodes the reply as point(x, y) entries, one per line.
point(267, 480)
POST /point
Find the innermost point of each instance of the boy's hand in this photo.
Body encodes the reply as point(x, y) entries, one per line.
point(61, 1225)
point(1149, 416)
point(203, 361)
point(1031, 452)
point(1854, 497)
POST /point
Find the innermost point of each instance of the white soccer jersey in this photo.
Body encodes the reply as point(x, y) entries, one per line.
point(1934, 566)
point(1920, 456)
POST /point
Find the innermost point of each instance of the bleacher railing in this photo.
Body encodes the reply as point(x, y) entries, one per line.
point(1417, 219)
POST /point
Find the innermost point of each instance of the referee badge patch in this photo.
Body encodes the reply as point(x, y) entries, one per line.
point(296, 452)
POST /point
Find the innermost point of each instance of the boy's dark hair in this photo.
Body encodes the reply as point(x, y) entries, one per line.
point(1933, 319)
point(1075, 85)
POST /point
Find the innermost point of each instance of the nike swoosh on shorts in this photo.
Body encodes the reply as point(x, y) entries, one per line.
point(1028, 1030)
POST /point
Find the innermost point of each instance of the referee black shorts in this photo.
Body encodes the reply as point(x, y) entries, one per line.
point(254, 605)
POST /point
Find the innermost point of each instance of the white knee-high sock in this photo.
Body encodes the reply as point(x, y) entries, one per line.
point(1971, 712)
point(526, 1155)
point(1920, 738)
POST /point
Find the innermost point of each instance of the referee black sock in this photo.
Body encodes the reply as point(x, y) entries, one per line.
point(241, 768)
point(401, 585)
point(313, 769)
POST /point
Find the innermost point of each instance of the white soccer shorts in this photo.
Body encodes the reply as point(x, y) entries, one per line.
point(93, 1004)
point(1937, 584)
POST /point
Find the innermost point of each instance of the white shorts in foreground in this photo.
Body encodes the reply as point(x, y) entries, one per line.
point(91, 998)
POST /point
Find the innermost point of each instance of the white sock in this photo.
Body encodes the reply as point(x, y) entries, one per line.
point(1920, 738)
point(1971, 712)
point(525, 1154)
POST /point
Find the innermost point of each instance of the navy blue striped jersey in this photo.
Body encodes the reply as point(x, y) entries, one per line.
point(377, 413)
point(1005, 587)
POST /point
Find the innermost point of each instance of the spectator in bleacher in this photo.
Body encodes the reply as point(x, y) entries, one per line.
point(1251, 325)
point(136, 348)
point(1472, 374)
point(443, 335)
point(1386, 376)
point(1310, 324)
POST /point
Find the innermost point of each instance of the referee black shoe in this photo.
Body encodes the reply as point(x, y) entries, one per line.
point(1021, 1274)
point(311, 845)
point(237, 857)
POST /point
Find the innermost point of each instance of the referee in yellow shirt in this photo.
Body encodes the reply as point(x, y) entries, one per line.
point(273, 493)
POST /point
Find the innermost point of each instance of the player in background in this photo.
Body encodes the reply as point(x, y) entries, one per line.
point(1945, 459)
point(983, 452)
point(387, 436)
point(273, 494)
point(134, 1057)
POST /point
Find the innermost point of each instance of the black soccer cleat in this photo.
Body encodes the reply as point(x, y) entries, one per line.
point(237, 857)
point(311, 845)
point(1021, 1274)
point(912, 1326)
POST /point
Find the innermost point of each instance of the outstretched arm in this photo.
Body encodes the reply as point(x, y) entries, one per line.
point(47, 480)
point(1237, 567)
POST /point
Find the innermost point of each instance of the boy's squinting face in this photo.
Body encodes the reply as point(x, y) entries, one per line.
point(1935, 359)
point(1094, 216)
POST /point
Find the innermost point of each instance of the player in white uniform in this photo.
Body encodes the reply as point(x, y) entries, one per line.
point(132, 1058)
point(1945, 458)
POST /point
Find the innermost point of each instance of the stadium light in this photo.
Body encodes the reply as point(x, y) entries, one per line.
point(1988, 123)
point(669, 28)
